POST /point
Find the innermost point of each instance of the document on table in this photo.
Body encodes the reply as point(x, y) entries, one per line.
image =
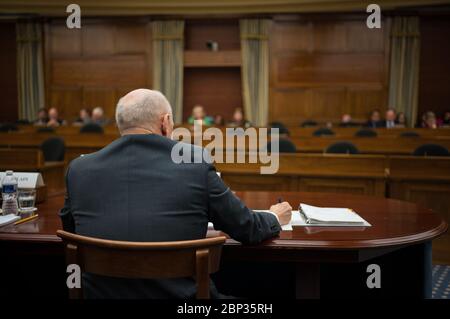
point(320, 217)
point(8, 219)
point(331, 216)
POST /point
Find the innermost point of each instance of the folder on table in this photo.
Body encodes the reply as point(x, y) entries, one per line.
point(330, 216)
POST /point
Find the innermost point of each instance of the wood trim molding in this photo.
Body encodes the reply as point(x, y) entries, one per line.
point(170, 7)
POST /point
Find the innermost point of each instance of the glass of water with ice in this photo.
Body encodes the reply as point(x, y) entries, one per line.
point(26, 199)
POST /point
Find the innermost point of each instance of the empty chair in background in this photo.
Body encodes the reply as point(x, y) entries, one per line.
point(323, 131)
point(45, 129)
point(410, 134)
point(342, 148)
point(277, 125)
point(366, 133)
point(285, 146)
point(23, 122)
point(8, 127)
point(431, 150)
point(91, 128)
point(282, 129)
point(53, 149)
point(309, 123)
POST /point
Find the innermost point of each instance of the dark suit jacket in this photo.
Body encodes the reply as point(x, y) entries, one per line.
point(376, 124)
point(132, 190)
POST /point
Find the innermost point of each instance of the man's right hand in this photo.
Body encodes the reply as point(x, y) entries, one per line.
point(283, 211)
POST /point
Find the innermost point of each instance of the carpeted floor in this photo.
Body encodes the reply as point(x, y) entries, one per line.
point(441, 282)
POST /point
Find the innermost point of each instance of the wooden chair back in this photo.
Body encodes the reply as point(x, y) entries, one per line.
point(144, 260)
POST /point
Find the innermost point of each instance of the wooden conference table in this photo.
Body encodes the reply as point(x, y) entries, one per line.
point(402, 231)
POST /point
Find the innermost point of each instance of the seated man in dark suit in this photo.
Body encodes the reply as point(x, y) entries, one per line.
point(375, 120)
point(132, 190)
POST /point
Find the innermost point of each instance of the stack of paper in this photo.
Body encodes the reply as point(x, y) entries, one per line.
point(320, 216)
point(328, 216)
point(8, 219)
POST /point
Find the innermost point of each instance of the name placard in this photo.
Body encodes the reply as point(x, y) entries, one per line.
point(26, 179)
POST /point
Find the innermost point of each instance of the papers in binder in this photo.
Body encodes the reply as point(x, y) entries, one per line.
point(330, 216)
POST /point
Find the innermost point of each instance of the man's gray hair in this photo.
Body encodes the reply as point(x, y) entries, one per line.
point(141, 108)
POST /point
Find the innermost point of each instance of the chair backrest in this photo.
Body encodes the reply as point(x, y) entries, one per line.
point(309, 123)
point(140, 260)
point(431, 150)
point(410, 134)
point(282, 129)
point(45, 129)
point(54, 149)
point(342, 148)
point(8, 127)
point(323, 131)
point(23, 122)
point(366, 133)
point(91, 128)
point(284, 146)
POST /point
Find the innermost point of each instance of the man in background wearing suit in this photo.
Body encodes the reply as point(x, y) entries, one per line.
point(390, 117)
point(132, 190)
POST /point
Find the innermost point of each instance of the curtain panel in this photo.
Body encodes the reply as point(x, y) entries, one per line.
point(254, 35)
point(168, 49)
point(404, 67)
point(30, 69)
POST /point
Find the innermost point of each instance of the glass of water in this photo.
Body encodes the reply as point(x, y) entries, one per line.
point(26, 199)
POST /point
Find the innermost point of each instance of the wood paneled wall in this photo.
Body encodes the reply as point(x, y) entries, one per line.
point(434, 78)
point(8, 70)
point(218, 89)
point(97, 64)
point(322, 67)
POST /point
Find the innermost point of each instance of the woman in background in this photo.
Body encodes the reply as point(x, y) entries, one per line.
point(239, 119)
point(429, 120)
point(198, 114)
point(400, 120)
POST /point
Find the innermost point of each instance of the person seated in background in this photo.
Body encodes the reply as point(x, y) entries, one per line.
point(429, 120)
point(53, 118)
point(198, 114)
point(42, 117)
point(83, 118)
point(389, 119)
point(347, 121)
point(219, 120)
point(98, 117)
point(374, 120)
point(239, 119)
point(446, 119)
point(400, 120)
point(183, 197)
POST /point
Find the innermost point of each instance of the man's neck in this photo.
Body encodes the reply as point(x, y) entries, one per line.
point(138, 130)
